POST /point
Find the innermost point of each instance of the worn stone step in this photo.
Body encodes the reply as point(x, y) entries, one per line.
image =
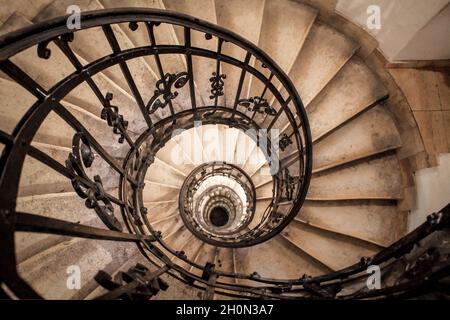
point(378, 178)
point(47, 271)
point(38, 178)
point(66, 206)
point(334, 250)
point(265, 191)
point(82, 97)
point(202, 67)
point(157, 192)
point(92, 44)
point(26, 8)
point(58, 67)
point(174, 154)
point(179, 239)
point(286, 261)
point(207, 253)
point(161, 210)
point(161, 172)
point(168, 226)
point(224, 262)
point(191, 249)
point(351, 91)
point(164, 35)
point(244, 18)
point(285, 26)
point(15, 103)
point(371, 133)
point(324, 53)
point(378, 222)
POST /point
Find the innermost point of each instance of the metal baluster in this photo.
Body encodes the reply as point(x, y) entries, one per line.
point(190, 71)
point(127, 74)
point(150, 26)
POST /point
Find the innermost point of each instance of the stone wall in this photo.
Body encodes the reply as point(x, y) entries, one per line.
point(428, 94)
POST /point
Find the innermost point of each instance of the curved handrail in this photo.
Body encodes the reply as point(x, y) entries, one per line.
point(49, 100)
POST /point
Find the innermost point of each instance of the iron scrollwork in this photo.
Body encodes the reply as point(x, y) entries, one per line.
point(217, 84)
point(164, 90)
point(285, 141)
point(289, 184)
point(95, 195)
point(257, 104)
point(111, 114)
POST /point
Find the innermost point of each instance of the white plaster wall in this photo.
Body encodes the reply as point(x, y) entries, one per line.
point(433, 191)
point(424, 44)
point(401, 20)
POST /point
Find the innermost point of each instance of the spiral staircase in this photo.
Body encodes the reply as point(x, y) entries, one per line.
point(135, 149)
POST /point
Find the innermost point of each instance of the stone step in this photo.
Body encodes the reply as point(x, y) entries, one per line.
point(261, 175)
point(211, 146)
point(161, 172)
point(244, 151)
point(58, 67)
point(37, 178)
point(228, 139)
point(352, 90)
point(334, 250)
point(189, 147)
point(162, 210)
point(377, 178)
point(92, 44)
point(100, 131)
point(168, 226)
point(261, 206)
point(265, 191)
point(378, 222)
point(156, 192)
point(164, 35)
point(174, 154)
point(15, 103)
point(179, 239)
point(48, 273)
point(224, 262)
point(67, 206)
point(202, 67)
point(207, 253)
point(324, 53)
point(371, 133)
point(286, 261)
point(26, 8)
point(285, 26)
point(191, 250)
point(245, 19)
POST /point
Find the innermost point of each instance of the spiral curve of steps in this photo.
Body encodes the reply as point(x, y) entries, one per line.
point(351, 208)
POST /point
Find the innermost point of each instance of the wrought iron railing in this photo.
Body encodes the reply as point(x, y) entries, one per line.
point(241, 234)
point(277, 106)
